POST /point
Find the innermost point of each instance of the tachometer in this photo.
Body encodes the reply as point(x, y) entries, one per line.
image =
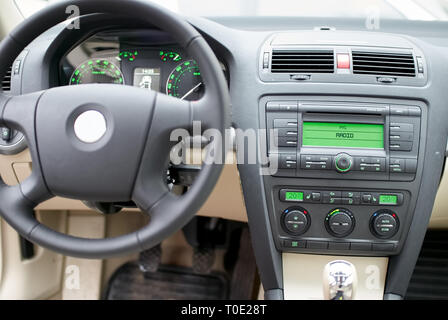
point(97, 71)
point(185, 82)
point(170, 56)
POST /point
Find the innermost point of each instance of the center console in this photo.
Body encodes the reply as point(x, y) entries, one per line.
point(341, 173)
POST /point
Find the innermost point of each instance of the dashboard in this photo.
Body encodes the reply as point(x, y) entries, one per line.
point(373, 198)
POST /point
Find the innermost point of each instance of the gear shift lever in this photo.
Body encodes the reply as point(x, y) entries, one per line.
point(339, 280)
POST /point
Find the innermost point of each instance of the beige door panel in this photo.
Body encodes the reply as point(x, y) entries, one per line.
point(439, 217)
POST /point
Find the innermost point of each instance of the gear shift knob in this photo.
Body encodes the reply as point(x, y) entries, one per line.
point(339, 280)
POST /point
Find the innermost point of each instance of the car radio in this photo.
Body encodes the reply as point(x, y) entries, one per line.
point(341, 173)
point(338, 140)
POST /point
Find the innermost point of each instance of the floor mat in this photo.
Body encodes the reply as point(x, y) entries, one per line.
point(430, 277)
point(169, 282)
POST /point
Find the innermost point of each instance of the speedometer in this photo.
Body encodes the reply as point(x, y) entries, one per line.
point(185, 81)
point(97, 71)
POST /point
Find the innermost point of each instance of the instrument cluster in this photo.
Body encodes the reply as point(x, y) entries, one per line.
point(163, 68)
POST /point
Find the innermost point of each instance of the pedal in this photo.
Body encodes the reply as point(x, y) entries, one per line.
point(149, 260)
point(203, 260)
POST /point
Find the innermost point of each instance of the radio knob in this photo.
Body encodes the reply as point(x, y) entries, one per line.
point(343, 162)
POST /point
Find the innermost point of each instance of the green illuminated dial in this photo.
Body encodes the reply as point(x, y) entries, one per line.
point(97, 71)
point(128, 55)
point(185, 81)
point(170, 56)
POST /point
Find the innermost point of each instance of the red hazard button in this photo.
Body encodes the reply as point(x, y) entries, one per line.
point(343, 60)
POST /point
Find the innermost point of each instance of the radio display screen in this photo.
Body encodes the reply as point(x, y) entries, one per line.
point(349, 135)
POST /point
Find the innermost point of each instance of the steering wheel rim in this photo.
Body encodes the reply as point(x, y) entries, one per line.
point(47, 118)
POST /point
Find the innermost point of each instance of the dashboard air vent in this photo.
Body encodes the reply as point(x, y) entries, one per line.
point(6, 82)
point(302, 61)
point(383, 63)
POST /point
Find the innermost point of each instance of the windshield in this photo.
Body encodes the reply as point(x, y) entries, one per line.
point(385, 9)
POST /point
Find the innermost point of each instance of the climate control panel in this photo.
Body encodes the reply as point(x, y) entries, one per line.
point(340, 221)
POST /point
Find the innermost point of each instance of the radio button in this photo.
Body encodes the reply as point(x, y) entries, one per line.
point(400, 145)
point(373, 167)
point(401, 136)
point(397, 165)
point(312, 162)
point(396, 126)
point(287, 161)
point(285, 123)
point(372, 164)
point(287, 142)
point(287, 132)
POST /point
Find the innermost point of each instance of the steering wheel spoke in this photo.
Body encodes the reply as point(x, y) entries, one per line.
point(18, 112)
point(172, 119)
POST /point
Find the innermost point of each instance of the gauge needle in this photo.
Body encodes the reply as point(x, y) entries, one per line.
point(191, 91)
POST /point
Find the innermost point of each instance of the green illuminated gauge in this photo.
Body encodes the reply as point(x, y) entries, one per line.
point(128, 55)
point(185, 82)
point(97, 71)
point(170, 56)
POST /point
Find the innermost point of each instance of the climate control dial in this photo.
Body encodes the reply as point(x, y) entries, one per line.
point(296, 220)
point(340, 222)
point(384, 224)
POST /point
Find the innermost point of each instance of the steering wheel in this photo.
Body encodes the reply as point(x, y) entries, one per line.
point(106, 142)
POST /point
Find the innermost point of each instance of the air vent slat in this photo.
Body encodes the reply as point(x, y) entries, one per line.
point(383, 63)
point(373, 67)
point(370, 62)
point(6, 82)
point(302, 61)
